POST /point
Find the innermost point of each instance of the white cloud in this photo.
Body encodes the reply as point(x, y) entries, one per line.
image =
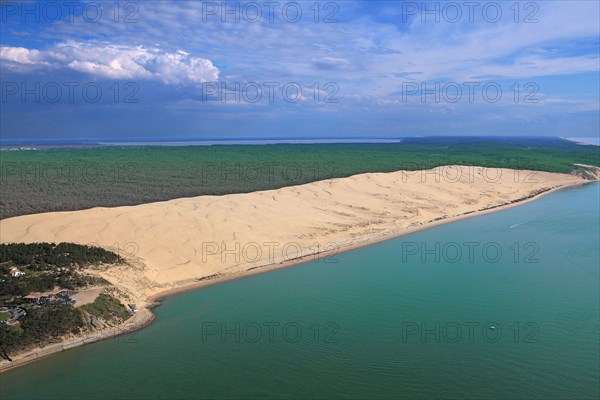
point(115, 62)
point(20, 55)
point(363, 55)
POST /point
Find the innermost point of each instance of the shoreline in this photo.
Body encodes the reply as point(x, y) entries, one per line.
point(145, 316)
point(364, 242)
point(129, 326)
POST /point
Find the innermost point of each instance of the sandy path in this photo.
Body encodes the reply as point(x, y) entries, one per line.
point(86, 296)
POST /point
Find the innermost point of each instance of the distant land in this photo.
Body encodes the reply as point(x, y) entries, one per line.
point(585, 140)
point(208, 141)
point(30, 144)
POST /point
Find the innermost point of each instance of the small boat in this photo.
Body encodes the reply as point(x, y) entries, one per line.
point(492, 327)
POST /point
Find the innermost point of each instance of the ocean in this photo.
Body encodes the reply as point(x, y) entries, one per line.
point(498, 306)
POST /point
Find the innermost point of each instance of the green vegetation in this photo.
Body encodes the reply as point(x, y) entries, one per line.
point(78, 178)
point(38, 256)
point(41, 325)
point(106, 307)
point(52, 320)
point(48, 266)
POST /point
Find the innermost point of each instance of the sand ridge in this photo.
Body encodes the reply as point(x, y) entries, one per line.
point(177, 243)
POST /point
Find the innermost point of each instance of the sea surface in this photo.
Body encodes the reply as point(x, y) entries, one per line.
point(30, 144)
point(502, 306)
point(249, 141)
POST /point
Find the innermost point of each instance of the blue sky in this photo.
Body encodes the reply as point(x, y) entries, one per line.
point(192, 69)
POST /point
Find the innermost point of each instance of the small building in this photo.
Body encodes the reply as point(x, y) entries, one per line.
point(15, 272)
point(36, 298)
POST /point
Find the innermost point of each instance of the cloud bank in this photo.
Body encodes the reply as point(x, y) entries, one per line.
point(114, 62)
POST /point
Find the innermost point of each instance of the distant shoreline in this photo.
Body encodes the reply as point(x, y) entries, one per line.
point(145, 316)
point(584, 141)
point(40, 144)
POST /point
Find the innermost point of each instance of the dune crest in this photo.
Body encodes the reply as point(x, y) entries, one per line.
point(178, 243)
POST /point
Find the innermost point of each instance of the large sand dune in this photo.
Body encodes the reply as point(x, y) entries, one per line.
point(178, 243)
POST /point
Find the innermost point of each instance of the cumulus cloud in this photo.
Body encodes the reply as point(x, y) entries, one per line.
point(114, 62)
point(20, 55)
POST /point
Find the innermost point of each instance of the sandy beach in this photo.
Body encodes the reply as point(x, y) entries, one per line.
point(187, 243)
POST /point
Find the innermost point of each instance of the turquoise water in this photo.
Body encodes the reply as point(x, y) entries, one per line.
point(369, 323)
